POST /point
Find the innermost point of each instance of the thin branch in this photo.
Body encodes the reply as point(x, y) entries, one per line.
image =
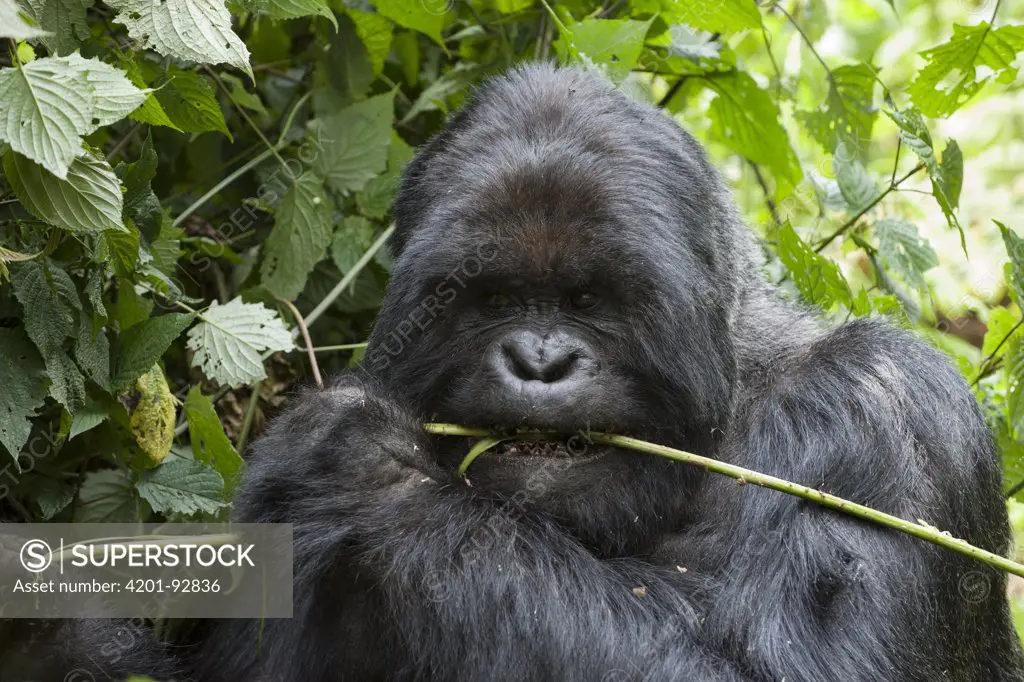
point(123, 142)
point(349, 277)
point(806, 39)
point(244, 114)
point(250, 415)
point(328, 349)
point(772, 208)
point(305, 337)
point(896, 163)
point(860, 214)
point(672, 92)
point(242, 170)
point(988, 364)
point(743, 476)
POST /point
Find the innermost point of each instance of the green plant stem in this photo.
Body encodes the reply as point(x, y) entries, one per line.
point(242, 170)
point(349, 277)
point(250, 414)
point(874, 202)
point(742, 475)
point(328, 349)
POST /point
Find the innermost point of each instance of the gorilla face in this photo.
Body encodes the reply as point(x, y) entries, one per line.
point(554, 275)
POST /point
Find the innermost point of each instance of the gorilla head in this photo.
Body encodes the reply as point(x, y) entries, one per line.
point(567, 259)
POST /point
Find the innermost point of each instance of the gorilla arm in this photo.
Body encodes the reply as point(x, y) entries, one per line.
point(873, 416)
point(392, 581)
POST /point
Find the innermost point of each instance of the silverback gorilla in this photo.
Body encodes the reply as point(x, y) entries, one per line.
point(568, 259)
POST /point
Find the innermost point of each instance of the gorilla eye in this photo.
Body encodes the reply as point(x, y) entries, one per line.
point(498, 301)
point(585, 299)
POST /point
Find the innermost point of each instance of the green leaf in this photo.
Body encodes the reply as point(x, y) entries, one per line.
point(848, 114)
point(191, 103)
point(904, 251)
point(614, 45)
point(22, 375)
point(1015, 266)
point(1001, 324)
point(197, 31)
point(241, 96)
point(857, 186)
point(227, 343)
point(87, 418)
point(64, 20)
point(150, 112)
point(209, 443)
point(947, 176)
point(141, 205)
point(107, 496)
point(951, 76)
point(120, 250)
point(51, 305)
point(426, 16)
point(817, 277)
point(745, 119)
point(357, 140)
point(144, 344)
point(1015, 383)
point(376, 32)
point(87, 201)
point(435, 95)
point(343, 74)
point(182, 486)
point(291, 9)
point(352, 239)
point(377, 196)
point(299, 240)
point(13, 24)
point(92, 351)
point(45, 106)
point(722, 16)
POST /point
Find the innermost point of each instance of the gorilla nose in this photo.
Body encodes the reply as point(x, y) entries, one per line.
point(535, 362)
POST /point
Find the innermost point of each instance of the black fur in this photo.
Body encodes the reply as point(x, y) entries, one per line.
point(614, 565)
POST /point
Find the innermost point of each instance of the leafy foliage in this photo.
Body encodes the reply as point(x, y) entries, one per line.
point(177, 173)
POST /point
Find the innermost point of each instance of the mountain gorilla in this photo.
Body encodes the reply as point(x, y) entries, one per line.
point(567, 259)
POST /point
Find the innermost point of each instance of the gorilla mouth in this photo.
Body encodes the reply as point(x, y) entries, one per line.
point(540, 448)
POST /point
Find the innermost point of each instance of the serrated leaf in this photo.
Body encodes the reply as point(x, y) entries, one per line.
point(88, 200)
point(120, 250)
point(182, 486)
point(143, 345)
point(426, 16)
point(197, 31)
point(343, 74)
point(291, 9)
point(150, 111)
point(50, 304)
point(817, 277)
point(1015, 266)
point(858, 187)
point(904, 251)
point(1014, 364)
point(227, 343)
point(47, 105)
point(848, 114)
point(945, 188)
point(22, 375)
point(745, 119)
point(376, 32)
point(190, 102)
point(141, 205)
point(299, 240)
point(13, 24)
point(1001, 324)
point(356, 143)
point(377, 196)
point(107, 496)
point(92, 351)
point(435, 95)
point(614, 45)
point(209, 443)
point(951, 76)
point(65, 22)
point(724, 16)
point(351, 240)
point(241, 96)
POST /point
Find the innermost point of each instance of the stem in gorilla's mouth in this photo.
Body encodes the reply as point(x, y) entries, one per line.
point(742, 476)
